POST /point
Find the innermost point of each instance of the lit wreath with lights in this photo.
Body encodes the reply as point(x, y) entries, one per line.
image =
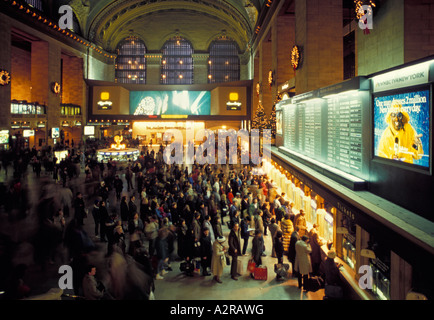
point(55, 87)
point(5, 77)
point(295, 57)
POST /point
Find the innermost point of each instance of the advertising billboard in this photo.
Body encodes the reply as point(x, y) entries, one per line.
point(4, 136)
point(170, 103)
point(89, 130)
point(402, 127)
point(55, 133)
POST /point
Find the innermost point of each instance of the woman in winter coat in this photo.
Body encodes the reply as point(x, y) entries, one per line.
point(316, 243)
point(287, 229)
point(218, 258)
point(302, 263)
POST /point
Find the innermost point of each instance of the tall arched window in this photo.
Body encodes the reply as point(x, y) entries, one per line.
point(131, 61)
point(223, 63)
point(177, 62)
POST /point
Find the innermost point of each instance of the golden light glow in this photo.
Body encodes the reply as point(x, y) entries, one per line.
point(105, 95)
point(233, 96)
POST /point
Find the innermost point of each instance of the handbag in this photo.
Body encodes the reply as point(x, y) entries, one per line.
point(228, 260)
point(251, 265)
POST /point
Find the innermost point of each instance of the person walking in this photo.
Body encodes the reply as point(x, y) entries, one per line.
point(234, 249)
point(302, 263)
point(218, 258)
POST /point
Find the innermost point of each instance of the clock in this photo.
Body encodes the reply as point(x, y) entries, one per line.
point(5, 77)
point(295, 57)
point(55, 87)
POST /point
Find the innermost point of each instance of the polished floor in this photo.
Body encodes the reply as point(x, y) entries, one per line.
point(174, 286)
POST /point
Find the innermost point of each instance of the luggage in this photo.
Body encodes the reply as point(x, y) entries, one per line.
point(260, 273)
point(315, 283)
point(333, 292)
point(240, 267)
point(186, 266)
point(281, 269)
point(251, 265)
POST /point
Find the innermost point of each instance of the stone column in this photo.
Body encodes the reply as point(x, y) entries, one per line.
point(153, 68)
point(45, 70)
point(200, 71)
point(5, 64)
point(318, 33)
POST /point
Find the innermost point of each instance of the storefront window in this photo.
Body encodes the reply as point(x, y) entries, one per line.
point(23, 107)
point(349, 242)
point(380, 270)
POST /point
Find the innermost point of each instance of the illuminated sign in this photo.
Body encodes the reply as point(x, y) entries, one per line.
point(157, 103)
point(105, 103)
point(28, 133)
point(4, 136)
point(89, 130)
point(233, 105)
point(405, 77)
point(55, 133)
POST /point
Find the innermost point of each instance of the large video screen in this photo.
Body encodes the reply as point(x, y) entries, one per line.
point(402, 127)
point(170, 103)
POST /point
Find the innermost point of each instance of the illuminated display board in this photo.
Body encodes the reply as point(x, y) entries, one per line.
point(402, 127)
point(329, 130)
point(170, 103)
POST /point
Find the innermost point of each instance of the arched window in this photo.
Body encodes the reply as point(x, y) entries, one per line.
point(131, 61)
point(177, 62)
point(223, 63)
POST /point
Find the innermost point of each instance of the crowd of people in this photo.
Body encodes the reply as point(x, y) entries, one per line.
point(146, 213)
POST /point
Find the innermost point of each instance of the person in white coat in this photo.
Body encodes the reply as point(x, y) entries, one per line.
point(218, 260)
point(303, 265)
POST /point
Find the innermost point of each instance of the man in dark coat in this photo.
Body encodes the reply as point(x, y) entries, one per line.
point(79, 208)
point(119, 185)
point(132, 207)
point(234, 249)
point(291, 249)
point(206, 251)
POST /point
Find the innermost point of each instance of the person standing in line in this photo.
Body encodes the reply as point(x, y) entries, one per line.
point(291, 249)
point(245, 234)
point(257, 248)
point(234, 249)
point(303, 264)
point(206, 251)
point(274, 228)
point(119, 185)
point(287, 230)
point(218, 258)
point(162, 250)
point(278, 246)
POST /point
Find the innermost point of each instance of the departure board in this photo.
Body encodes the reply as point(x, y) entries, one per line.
point(344, 132)
point(329, 130)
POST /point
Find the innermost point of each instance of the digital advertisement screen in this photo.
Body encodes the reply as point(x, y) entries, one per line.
point(55, 133)
point(4, 136)
point(402, 127)
point(170, 103)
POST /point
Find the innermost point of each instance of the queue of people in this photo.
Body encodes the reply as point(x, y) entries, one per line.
point(164, 212)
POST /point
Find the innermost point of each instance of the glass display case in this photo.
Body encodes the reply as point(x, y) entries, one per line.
point(349, 242)
point(380, 283)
